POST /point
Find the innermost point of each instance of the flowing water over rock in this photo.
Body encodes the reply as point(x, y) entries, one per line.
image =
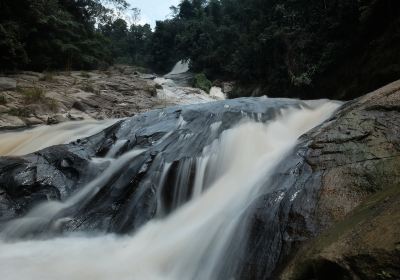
point(28, 141)
point(178, 181)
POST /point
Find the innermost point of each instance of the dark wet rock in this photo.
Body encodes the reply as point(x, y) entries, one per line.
point(80, 106)
point(51, 174)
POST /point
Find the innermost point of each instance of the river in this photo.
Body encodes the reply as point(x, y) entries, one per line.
point(200, 208)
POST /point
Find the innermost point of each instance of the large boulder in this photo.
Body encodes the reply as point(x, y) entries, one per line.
point(365, 245)
point(335, 167)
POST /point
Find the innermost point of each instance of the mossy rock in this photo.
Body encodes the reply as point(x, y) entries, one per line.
point(365, 245)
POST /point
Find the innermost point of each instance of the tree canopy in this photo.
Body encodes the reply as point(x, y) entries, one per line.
point(65, 34)
point(304, 48)
point(297, 48)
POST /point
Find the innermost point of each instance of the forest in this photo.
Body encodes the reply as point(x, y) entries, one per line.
point(298, 48)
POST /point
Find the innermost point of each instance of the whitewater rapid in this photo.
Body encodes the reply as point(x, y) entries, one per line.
point(189, 243)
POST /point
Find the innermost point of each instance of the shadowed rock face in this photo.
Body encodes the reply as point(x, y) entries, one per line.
point(332, 170)
point(365, 245)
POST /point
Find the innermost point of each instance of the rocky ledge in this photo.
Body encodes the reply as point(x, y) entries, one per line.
point(31, 98)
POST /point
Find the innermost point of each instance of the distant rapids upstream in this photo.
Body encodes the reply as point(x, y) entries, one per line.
point(176, 87)
point(189, 243)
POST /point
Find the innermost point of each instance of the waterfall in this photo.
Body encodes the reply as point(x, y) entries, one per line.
point(189, 243)
point(180, 68)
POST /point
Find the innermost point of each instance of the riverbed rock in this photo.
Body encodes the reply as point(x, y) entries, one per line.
point(7, 84)
point(113, 93)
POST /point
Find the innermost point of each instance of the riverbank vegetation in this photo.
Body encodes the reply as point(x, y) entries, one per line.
point(300, 48)
point(66, 35)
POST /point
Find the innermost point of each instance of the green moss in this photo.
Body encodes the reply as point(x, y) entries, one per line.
point(201, 82)
point(312, 262)
point(19, 112)
point(3, 100)
point(85, 75)
point(365, 212)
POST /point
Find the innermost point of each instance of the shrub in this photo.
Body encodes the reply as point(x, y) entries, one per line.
point(120, 69)
point(85, 75)
point(32, 95)
point(87, 87)
point(19, 112)
point(201, 82)
point(3, 100)
point(52, 104)
point(47, 77)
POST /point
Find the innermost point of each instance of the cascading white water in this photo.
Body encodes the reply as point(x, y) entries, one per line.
point(179, 68)
point(216, 92)
point(189, 243)
point(28, 141)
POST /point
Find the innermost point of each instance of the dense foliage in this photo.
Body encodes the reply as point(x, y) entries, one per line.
point(296, 48)
point(306, 48)
point(66, 34)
